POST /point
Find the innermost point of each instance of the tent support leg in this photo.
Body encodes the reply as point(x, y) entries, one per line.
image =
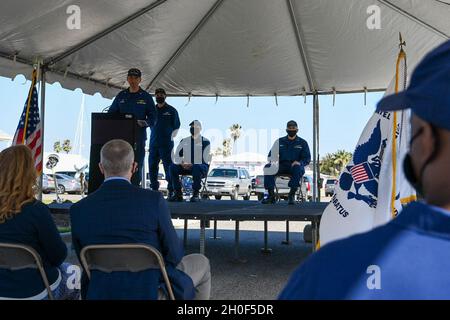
point(315, 147)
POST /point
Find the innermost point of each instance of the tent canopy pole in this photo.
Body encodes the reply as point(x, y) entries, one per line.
point(315, 145)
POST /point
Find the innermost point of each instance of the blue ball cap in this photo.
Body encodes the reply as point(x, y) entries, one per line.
point(133, 72)
point(428, 95)
point(195, 123)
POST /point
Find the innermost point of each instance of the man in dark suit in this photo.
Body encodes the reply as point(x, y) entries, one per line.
point(119, 212)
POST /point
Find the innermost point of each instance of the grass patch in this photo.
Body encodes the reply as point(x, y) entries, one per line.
point(64, 229)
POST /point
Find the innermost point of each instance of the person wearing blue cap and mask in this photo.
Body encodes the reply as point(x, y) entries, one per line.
point(408, 258)
point(289, 155)
point(139, 103)
point(192, 157)
point(161, 139)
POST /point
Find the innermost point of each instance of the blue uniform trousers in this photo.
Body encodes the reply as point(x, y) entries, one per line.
point(156, 155)
point(198, 172)
point(296, 172)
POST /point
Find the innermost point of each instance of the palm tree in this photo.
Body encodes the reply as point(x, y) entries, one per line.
point(67, 146)
point(341, 159)
point(218, 151)
point(235, 132)
point(226, 147)
point(57, 147)
point(327, 165)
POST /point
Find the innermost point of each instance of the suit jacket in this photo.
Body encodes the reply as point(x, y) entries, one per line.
point(119, 212)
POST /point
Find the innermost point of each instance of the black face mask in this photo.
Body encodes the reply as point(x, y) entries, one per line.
point(194, 131)
point(292, 133)
point(408, 167)
point(160, 100)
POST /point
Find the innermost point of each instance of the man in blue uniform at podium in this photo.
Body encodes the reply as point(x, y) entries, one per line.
point(139, 103)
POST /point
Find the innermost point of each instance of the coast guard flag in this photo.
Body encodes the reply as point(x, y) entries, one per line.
point(372, 188)
point(29, 129)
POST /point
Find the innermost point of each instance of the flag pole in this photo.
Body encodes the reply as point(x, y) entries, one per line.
point(42, 93)
point(401, 57)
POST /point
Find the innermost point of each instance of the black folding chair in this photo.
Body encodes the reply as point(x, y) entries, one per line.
point(299, 196)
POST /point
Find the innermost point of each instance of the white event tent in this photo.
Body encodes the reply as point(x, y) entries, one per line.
point(219, 47)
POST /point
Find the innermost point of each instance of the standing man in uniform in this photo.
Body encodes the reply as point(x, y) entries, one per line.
point(289, 155)
point(161, 139)
point(139, 103)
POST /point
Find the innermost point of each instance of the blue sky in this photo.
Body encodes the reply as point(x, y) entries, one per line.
point(341, 125)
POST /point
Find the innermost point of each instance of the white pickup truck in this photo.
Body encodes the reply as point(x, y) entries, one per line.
point(232, 182)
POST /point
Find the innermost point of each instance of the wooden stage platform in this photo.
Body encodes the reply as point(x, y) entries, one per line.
point(222, 210)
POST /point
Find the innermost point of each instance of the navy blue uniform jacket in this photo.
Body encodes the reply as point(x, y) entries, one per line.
point(139, 104)
point(119, 212)
point(408, 258)
point(291, 150)
point(33, 227)
point(167, 121)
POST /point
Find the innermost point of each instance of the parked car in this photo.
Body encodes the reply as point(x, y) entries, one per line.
point(48, 184)
point(74, 175)
point(66, 183)
point(233, 182)
point(330, 186)
point(162, 183)
point(283, 187)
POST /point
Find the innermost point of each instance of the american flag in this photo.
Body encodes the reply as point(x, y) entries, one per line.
point(29, 129)
point(361, 173)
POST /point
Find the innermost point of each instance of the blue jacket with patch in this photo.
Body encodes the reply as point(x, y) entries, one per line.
point(408, 258)
point(167, 121)
point(290, 151)
point(139, 104)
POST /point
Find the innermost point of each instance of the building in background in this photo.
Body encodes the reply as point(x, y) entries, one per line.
point(5, 140)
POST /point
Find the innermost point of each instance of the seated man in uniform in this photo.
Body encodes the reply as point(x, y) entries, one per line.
point(192, 157)
point(289, 155)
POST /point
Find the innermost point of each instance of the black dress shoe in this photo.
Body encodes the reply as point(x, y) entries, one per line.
point(195, 197)
point(270, 199)
point(176, 197)
point(291, 199)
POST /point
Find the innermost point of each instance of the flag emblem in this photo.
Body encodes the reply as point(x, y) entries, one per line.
point(361, 173)
point(29, 129)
